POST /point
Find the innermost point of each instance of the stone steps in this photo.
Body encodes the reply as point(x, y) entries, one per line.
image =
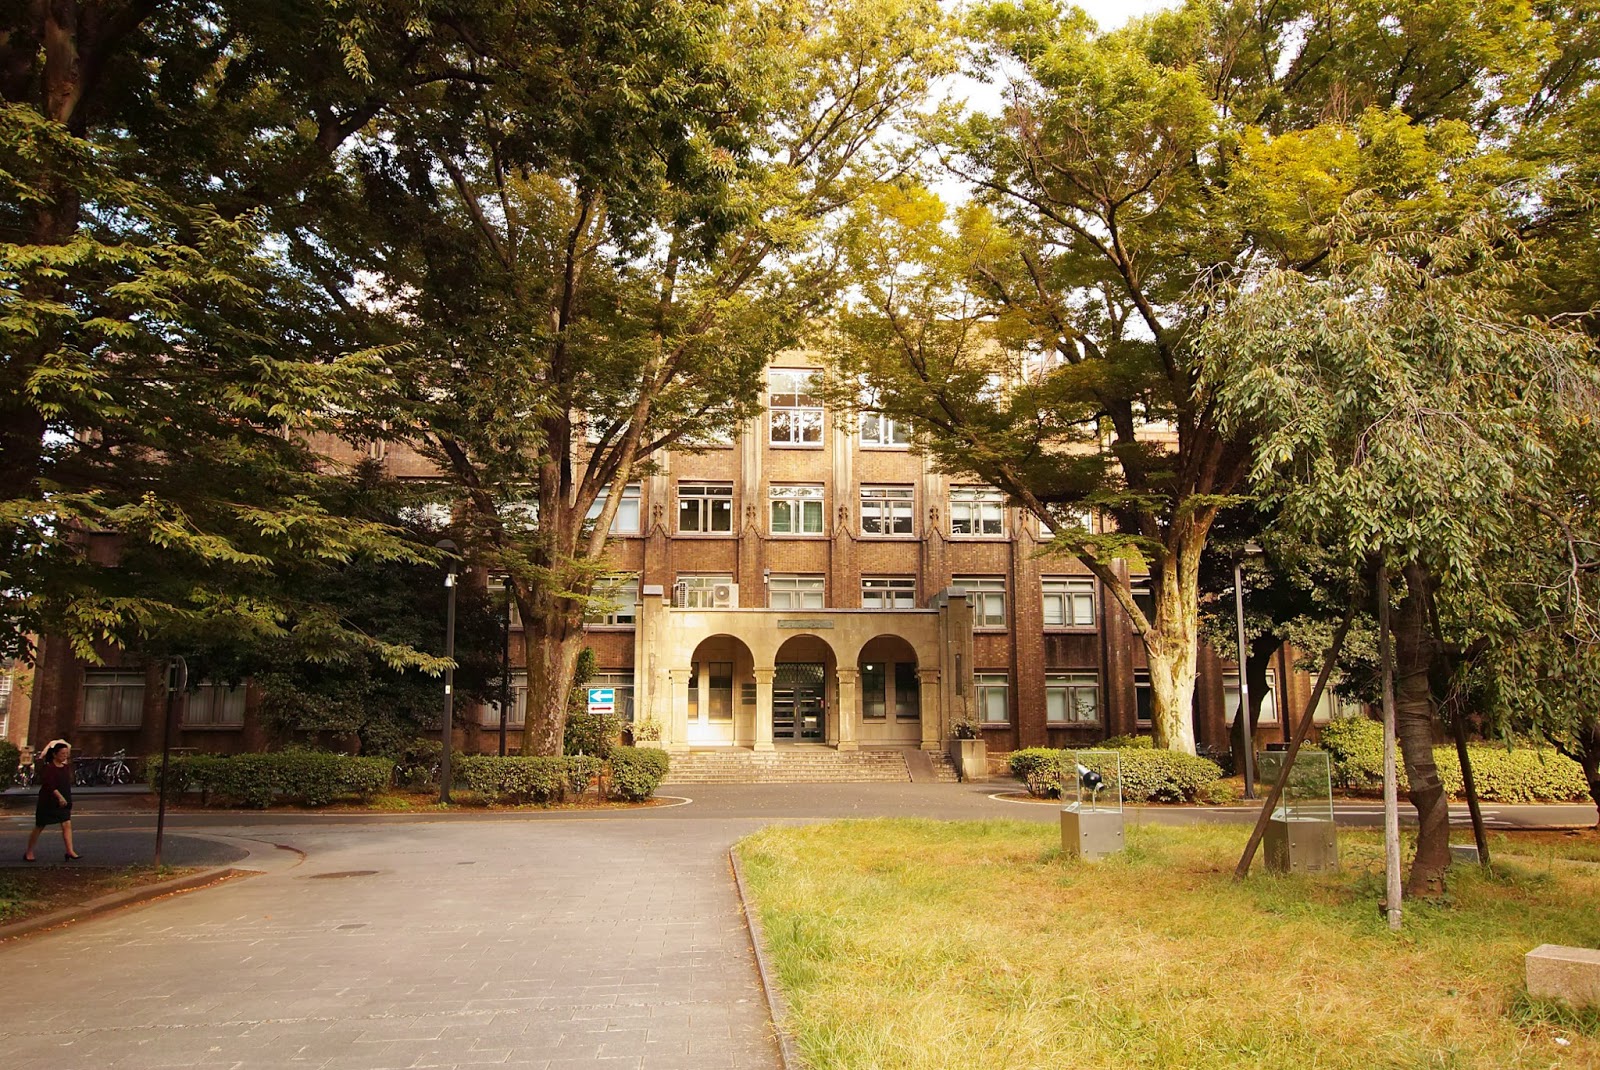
point(789, 767)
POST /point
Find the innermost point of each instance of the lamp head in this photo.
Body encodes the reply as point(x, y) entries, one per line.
point(448, 547)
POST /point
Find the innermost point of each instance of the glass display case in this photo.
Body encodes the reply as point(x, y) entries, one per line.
point(1091, 789)
point(1300, 835)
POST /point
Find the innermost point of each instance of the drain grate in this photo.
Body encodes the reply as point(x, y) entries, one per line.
point(342, 873)
point(352, 925)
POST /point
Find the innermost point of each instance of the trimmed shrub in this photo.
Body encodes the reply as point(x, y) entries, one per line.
point(307, 777)
point(10, 758)
point(1147, 774)
point(635, 773)
point(1355, 747)
point(523, 780)
point(416, 766)
point(594, 734)
point(1125, 743)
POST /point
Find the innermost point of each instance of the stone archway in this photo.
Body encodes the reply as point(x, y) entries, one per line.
point(719, 685)
point(890, 689)
point(805, 691)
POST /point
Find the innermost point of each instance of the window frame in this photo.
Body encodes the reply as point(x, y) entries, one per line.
point(1230, 709)
point(517, 716)
point(891, 585)
point(696, 583)
point(1072, 589)
point(1072, 682)
point(207, 694)
point(798, 419)
point(798, 583)
point(120, 681)
point(973, 500)
point(621, 681)
point(621, 583)
point(633, 492)
point(704, 493)
point(981, 589)
point(984, 682)
point(887, 508)
point(796, 496)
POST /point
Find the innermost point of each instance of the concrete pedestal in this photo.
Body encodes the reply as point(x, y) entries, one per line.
point(1090, 833)
point(1569, 973)
point(1301, 845)
point(1463, 854)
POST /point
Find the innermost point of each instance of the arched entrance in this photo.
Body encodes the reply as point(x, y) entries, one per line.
point(801, 695)
point(718, 684)
point(891, 693)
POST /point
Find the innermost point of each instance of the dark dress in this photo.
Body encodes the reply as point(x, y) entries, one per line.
point(52, 779)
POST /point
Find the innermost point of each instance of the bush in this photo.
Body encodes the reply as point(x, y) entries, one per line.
point(10, 758)
point(1147, 774)
point(594, 734)
point(523, 780)
point(306, 777)
point(1127, 743)
point(635, 773)
point(416, 766)
point(1355, 747)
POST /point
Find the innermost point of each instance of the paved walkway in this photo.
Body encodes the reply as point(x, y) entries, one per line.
point(600, 939)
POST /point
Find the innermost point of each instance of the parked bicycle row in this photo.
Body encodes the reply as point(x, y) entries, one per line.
point(89, 772)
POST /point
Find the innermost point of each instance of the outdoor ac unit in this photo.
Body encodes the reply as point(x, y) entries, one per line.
point(724, 595)
point(680, 594)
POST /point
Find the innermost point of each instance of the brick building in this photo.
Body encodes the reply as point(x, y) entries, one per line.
point(802, 583)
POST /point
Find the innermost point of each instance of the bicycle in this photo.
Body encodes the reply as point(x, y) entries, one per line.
point(25, 775)
point(115, 770)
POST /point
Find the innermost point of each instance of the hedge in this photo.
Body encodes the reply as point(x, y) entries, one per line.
point(521, 780)
point(1147, 774)
point(636, 772)
point(1355, 748)
point(10, 758)
point(307, 777)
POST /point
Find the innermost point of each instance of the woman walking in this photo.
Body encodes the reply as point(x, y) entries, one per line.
point(55, 797)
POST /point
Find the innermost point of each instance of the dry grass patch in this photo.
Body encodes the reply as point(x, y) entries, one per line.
point(922, 944)
point(28, 893)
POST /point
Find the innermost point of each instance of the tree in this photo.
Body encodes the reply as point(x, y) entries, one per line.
point(571, 309)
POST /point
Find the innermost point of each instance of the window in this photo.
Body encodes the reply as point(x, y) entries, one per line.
point(886, 510)
point(1068, 603)
point(5, 700)
point(888, 592)
point(1143, 703)
point(880, 430)
point(698, 588)
point(1077, 516)
point(988, 594)
point(501, 602)
point(516, 711)
point(214, 706)
point(626, 522)
point(620, 681)
point(796, 416)
point(874, 683)
point(796, 509)
point(795, 592)
point(1332, 705)
point(719, 684)
point(994, 703)
point(113, 699)
point(1139, 588)
point(705, 507)
point(1230, 697)
point(907, 695)
point(1071, 698)
point(977, 511)
point(616, 602)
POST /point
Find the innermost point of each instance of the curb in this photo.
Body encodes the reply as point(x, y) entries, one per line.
point(132, 896)
point(777, 1006)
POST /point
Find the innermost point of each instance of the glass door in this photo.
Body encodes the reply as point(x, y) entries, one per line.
point(799, 701)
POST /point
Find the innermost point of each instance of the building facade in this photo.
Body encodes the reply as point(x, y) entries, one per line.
point(806, 582)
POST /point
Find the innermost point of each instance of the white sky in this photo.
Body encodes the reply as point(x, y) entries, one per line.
point(1113, 13)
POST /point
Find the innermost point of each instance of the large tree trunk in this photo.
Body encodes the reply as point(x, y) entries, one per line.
point(552, 639)
point(1171, 647)
point(1414, 721)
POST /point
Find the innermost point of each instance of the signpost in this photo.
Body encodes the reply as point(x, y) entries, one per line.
point(602, 700)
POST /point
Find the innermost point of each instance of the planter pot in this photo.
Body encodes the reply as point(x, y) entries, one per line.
point(971, 757)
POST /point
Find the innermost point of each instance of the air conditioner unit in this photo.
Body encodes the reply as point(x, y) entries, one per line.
point(680, 595)
point(724, 595)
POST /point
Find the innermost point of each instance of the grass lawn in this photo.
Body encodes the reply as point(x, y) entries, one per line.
point(31, 892)
point(906, 943)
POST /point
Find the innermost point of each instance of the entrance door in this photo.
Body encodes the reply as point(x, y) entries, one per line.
point(797, 701)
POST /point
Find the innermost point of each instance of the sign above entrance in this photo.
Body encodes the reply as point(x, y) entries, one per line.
point(602, 700)
point(804, 623)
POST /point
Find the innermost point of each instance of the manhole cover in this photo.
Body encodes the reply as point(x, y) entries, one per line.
point(342, 873)
point(352, 925)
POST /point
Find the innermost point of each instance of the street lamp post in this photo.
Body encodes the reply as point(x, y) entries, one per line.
point(505, 666)
point(1244, 677)
point(450, 671)
point(177, 684)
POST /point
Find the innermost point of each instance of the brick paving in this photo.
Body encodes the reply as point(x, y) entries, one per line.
point(550, 944)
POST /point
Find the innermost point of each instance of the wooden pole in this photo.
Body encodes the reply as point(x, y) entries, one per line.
point(1301, 731)
point(1391, 798)
point(1458, 722)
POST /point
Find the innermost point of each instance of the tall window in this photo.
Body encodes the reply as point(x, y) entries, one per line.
point(615, 602)
point(994, 703)
point(888, 592)
point(880, 430)
point(886, 510)
point(699, 588)
point(1143, 700)
point(1071, 698)
point(626, 522)
point(795, 592)
point(516, 709)
point(1332, 705)
point(620, 681)
point(795, 415)
point(988, 594)
point(907, 694)
point(501, 601)
point(719, 685)
point(1269, 701)
point(977, 511)
point(1139, 587)
point(796, 509)
point(1068, 603)
point(5, 699)
point(214, 706)
point(874, 687)
point(113, 699)
point(705, 507)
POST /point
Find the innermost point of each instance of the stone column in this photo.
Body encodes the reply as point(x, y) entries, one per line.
point(849, 708)
point(764, 678)
point(677, 733)
point(932, 726)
